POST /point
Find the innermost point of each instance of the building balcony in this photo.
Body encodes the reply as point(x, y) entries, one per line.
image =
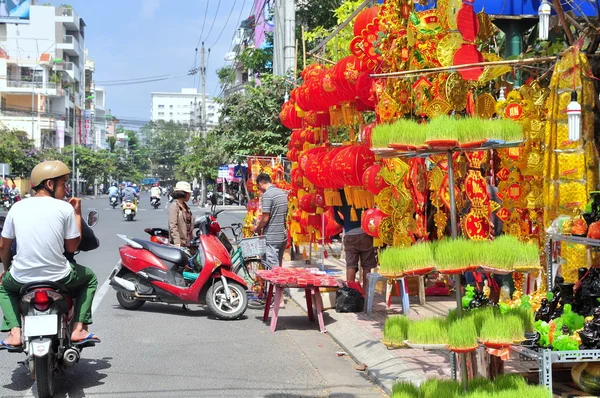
point(71, 69)
point(22, 120)
point(70, 46)
point(68, 17)
point(25, 87)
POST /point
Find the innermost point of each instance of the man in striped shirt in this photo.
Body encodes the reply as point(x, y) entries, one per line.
point(273, 220)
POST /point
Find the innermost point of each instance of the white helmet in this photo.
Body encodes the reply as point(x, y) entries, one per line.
point(135, 185)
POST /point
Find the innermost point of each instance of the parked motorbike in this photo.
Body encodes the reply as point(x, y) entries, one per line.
point(155, 202)
point(154, 272)
point(6, 203)
point(129, 210)
point(114, 201)
point(47, 316)
point(158, 235)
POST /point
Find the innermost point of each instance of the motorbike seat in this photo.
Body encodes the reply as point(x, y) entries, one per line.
point(171, 254)
point(46, 284)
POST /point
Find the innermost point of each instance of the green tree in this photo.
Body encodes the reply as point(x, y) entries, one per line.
point(204, 158)
point(249, 123)
point(226, 75)
point(112, 142)
point(165, 142)
point(17, 150)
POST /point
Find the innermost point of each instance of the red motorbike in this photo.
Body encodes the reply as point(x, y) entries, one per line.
point(154, 272)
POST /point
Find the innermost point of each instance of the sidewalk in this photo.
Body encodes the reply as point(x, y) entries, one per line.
point(360, 336)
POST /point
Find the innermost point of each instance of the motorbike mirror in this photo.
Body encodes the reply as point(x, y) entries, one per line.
point(92, 218)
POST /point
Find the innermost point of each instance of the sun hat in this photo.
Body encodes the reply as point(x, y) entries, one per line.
point(183, 186)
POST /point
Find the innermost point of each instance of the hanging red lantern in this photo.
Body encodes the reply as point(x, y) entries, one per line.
point(309, 203)
point(366, 134)
point(469, 54)
point(365, 90)
point(330, 92)
point(315, 97)
point(306, 154)
point(371, 220)
point(317, 119)
point(314, 168)
point(345, 74)
point(289, 117)
point(315, 221)
point(293, 155)
point(297, 178)
point(316, 136)
point(350, 164)
point(332, 228)
point(467, 22)
point(364, 18)
point(373, 181)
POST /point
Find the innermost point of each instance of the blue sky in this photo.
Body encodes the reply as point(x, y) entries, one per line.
point(140, 38)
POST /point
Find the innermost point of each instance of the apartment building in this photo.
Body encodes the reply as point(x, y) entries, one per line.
point(43, 61)
point(185, 107)
point(97, 116)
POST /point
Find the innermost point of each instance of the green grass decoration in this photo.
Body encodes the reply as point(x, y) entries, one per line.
point(526, 316)
point(395, 330)
point(511, 131)
point(442, 128)
point(462, 333)
point(505, 253)
point(428, 331)
point(481, 315)
point(403, 131)
point(502, 330)
point(503, 386)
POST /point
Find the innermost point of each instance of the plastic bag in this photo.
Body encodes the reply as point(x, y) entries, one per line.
point(349, 300)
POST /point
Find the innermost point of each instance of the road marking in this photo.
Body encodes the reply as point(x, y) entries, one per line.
point(101, 293)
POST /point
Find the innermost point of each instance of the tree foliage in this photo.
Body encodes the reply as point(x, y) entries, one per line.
point(204, 158)
point(249, 123)
point(17, 150)
point(165, 142)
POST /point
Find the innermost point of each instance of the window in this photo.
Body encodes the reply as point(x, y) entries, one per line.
point(161, 113)
point(161, 107)
point(170, 113)
point(171, 106)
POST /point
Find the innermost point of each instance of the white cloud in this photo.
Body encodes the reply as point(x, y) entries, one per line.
point(149, 8)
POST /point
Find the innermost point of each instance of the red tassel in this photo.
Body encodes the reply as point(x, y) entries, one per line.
point(470, 103)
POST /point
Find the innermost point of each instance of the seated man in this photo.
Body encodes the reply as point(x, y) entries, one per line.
point(113, 191)
point(129, 195)
point(43, 258)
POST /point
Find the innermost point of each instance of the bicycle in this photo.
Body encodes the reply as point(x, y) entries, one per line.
point(246, 267)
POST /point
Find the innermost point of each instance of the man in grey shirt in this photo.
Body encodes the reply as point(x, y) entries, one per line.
point(129, 194)
point(273, 220)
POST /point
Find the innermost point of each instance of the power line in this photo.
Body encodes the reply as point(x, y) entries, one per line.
point(203, 23)
point(213, 22)
point(225, 24)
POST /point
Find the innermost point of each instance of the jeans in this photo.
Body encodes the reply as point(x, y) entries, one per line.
point(274, 254)
point(81, 282)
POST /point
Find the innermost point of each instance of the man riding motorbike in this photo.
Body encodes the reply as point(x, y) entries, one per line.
point(43, 258)
point(113, 191)
point(129, 194)
point(14, 194)
point(155, 192)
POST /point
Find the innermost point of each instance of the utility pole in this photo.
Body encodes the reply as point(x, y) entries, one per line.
point(203, 121)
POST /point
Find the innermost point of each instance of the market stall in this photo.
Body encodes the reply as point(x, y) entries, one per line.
point(462, 163)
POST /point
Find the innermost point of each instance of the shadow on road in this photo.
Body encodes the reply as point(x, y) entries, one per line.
point(176, 309)
point(297, 322)
point(72, 383)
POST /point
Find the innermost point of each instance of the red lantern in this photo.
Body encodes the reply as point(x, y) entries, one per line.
point(469, 54)
point(364, 18)
point(293, 155)
point(314, 168)
point(289, 117)
point(316, 136)
point(371, 220)
point(306, 154)
point(297, 178)
point(365, 90)
point(328, 180)
point(317, 119)
point(315, 221)
point(373, 181)
point(332, 228)
point(367, 134)
point(310, 202)
point(467, 22)
point(350, 164)
point(346, 73)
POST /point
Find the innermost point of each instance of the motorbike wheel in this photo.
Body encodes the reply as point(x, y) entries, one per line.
point(130, 217)
point(125, 300)
point(44, 375)
point(218, 304)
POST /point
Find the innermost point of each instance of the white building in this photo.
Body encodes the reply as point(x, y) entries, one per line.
point(43, 62)
point(185, 107)
point(95, 108)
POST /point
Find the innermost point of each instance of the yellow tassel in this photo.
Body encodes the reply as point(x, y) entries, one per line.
point(353, 215)
point(349, 195)
point(377, 242)
point(320, 210)
point(333, 198)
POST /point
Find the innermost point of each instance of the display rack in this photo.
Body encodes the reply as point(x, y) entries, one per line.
point(449, 152)
point(546, 358)
point(552, 238)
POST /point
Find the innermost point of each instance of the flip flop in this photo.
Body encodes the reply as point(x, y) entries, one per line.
point(9, 347)
point(91, 338)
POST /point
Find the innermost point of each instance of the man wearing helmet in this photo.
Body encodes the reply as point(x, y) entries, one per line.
point(155, 191)
point(129, 194)
point(113, 191)
point(43, 258)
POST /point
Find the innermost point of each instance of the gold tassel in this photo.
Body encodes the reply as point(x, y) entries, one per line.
point(320, 210)
point(333, 198)
point(349, 195)
point(353, 215)
point(377, 242)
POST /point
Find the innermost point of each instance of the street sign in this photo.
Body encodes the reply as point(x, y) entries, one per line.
point(239, 171)
point(223, 172)
point(4, 169)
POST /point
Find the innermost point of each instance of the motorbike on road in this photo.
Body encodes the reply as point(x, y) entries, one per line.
point(155, 272)
point(155, 202)
point(47, 310)
point(114, 201)
point(6, 202)
point(129, 210)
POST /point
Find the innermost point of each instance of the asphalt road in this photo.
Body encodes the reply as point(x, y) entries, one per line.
point(163, 351)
